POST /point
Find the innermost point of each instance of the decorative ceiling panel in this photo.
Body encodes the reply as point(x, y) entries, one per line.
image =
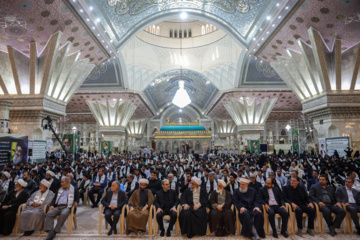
point(78, 103)
point(199, 88)
point(287, 102)
point(241, 17)
point(25, 21)
point(332, 18)
point(105, 76)
point(259, 72)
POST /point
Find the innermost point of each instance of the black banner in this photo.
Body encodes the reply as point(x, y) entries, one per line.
point(13, 148)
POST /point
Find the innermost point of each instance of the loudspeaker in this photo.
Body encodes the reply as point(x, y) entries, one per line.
point(30, 152)
point(321, 122)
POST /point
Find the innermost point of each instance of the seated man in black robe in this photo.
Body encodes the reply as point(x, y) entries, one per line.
point(248, 203)
point(221, 216)
point(193, 217)
point(166, 202)
point(9, 207)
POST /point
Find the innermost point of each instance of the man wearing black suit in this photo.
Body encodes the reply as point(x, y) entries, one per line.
point(324, 195)
point(55, 183)
point(274, 203)
point(298, 198)
point(351, 198)
point(166, 202)
point(113, 203)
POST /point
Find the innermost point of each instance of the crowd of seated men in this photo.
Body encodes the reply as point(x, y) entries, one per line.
point(203, 188)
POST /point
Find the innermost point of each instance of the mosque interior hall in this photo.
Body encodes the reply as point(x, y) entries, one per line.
point(177, 77)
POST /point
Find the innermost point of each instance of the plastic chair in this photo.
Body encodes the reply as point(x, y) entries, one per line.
point(320, 218)
point(293, 220)
point(348, 219)
point(167, 217)
point(150, 224)
point(16, 226)
point(121, 220)
point(238, 223)
point(70, 219)
point(277, 216)
point(94, 195)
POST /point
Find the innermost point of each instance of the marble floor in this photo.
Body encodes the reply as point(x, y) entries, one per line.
point(87, 220)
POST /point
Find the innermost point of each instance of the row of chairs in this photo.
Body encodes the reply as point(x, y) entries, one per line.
point(70, 220)
point(153, 228)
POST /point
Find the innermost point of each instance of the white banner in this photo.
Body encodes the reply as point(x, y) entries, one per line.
point(337, 143)
point(38, 150)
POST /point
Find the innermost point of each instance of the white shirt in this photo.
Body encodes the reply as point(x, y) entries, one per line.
point(272, 200)
point(350, 195)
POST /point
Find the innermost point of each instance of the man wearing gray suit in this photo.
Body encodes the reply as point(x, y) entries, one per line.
point(324, 195)
point(351, 198)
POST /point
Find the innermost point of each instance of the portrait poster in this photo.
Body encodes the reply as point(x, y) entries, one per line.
point(105, 147)
point(71, 142)
point(295, 141)
point(13, 149)
point(254, 146)
point(322, 147)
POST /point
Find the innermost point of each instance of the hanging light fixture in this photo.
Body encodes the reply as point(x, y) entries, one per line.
point(181, 98)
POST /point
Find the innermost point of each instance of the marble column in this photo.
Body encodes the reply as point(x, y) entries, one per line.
point(326, 82)
point(40, 84)
point(4, 115)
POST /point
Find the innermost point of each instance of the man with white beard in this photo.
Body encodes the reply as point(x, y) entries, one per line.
point(32, 218)
point(19, 154)
point(248, 203)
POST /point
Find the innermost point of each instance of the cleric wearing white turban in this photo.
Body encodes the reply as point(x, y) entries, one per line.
point(140, 205)
point(10, 205)
point(248, 203)
point(32, 218)
point(221, 216)
point(193, 217)
point(144, 180)
point(54, 182)
point(6, 182)
point(51, 173)
point(196, 180)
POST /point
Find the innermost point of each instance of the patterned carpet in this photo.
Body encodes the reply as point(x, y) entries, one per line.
point(88, 229)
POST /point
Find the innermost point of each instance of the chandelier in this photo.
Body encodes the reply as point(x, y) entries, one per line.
point(181, 98)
